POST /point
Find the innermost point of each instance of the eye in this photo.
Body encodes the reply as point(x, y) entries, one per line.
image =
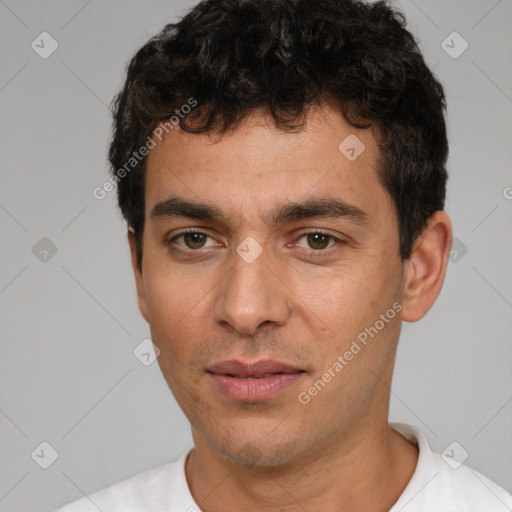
point(319, 241)
point(192, 240)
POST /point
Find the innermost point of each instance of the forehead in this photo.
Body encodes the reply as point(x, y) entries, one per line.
point(257, 166)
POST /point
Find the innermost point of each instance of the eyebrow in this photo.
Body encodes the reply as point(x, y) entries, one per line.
point(176, 207)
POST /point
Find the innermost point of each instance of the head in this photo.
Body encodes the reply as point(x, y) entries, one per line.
point(254, 125)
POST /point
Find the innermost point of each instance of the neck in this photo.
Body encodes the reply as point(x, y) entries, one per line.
point(366, 471)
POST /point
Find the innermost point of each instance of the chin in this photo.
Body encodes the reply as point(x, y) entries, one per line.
point(260, 452)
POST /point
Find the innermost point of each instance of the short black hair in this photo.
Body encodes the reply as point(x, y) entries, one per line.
point(233, 56)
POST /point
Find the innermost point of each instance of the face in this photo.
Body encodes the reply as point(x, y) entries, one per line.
point(266, 256)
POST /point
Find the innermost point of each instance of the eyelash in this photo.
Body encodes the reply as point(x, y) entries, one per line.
point(189, 252)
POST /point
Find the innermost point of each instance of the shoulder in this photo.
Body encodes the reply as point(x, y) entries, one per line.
point(158, 488)
point(442, 484)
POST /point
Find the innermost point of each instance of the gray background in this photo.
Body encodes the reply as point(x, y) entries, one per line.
point(68, 375)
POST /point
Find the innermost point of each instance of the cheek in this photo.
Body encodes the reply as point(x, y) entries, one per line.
point(350, 310)
point(348, 299)
point(176, 306)
point(172, 291)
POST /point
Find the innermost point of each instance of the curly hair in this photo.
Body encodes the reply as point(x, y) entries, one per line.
point(233, 56)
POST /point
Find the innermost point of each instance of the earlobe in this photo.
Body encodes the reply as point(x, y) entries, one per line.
point(425, 269)
point(137, 271)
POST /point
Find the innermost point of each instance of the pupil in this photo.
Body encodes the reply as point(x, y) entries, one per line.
point(317, 238)
point(194, 240)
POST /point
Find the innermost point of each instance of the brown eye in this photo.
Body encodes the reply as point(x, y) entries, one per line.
point(191, 244)
point(318, 241)
point(194, 240)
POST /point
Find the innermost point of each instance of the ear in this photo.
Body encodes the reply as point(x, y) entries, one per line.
point(137, 270)
point(425, 269)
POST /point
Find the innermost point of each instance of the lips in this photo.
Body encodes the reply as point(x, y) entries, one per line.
point(255, 381)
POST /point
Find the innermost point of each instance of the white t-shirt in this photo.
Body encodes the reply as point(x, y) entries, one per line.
point(435, 486)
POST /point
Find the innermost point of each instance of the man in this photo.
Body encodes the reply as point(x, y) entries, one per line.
point(281, 168)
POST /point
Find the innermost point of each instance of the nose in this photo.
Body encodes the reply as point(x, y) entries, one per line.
point(251, 294)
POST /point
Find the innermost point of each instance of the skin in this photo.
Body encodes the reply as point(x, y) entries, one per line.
point(294, 304)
